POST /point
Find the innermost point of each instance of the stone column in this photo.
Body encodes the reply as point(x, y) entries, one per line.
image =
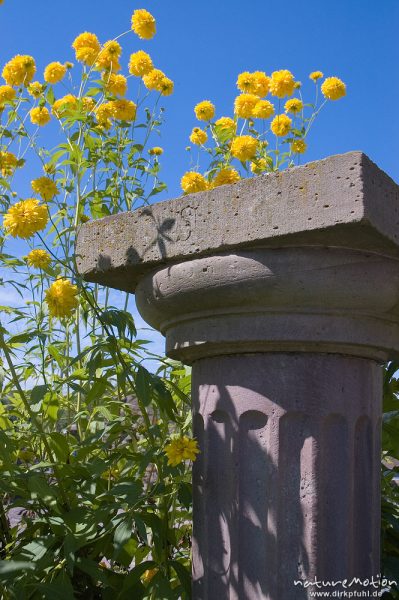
point(286, 319)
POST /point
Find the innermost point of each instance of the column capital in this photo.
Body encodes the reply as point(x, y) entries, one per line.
point(302, 260)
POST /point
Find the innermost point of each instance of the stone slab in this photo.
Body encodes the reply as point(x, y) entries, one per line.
point(340, 201)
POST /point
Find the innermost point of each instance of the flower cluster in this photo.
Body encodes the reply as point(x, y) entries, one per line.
point(88, 110)
point(245, 137)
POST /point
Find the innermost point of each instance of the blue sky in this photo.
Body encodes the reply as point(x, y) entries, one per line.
point(203, 46)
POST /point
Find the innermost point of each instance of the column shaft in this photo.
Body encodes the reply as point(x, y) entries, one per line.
point(287, 484)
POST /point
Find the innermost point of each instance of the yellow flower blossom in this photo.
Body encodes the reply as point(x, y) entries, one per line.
point(61, 298)
point(54, 72)
point(225, 128)
point(20, 70)
point(198, 136)
point(7, 94)
point(293, 106)
point(109, 55)
point(298, 146)
point(103, 114)
point(167, 86)
point(153, 80)
point(333, 88)
point(39, 115)
point(123, 110)
point(115, 84)
point(192, 182)
point(39, 259)
point(254, 83)
point(282, 83)
point(263, 109)
point(181, 449)
point(64, 105)
point(35, 89)
point(244, 147)
point(45, 187)
point(155, 151)
point(140, 63)
point(259, 166)
point(25, 218)
point(261, 84)
point(88, 104)
point(87, 48)
point(281, 125)
point(204, 111)
point(315, 75)
point(244, 105)
point(143, 24)
point(226, 176)
point(8, 163)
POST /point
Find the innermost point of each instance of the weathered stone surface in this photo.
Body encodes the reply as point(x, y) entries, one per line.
point(343, 200)
point(286, 487)
point(283, 293)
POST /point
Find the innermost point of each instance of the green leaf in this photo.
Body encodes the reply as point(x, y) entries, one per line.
point(184, 576)
point(9, 568)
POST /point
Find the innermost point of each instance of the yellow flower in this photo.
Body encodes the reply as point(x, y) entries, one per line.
point(315, 75)
point(68, 65)
point(140, 63)
point(254, 83)
point(7, 94)
point(297, 85)
point(282, 83)
point(225, 128)
point(245, 82)
point(35, 89)
point(115, 84)
point(109, 55)
point(8, 163)
point(244, 147)
point(61, 298)
point(39, 115)
point(333, 88)
point(123, 110)
point(103, 114)
point(25, 218)
point(293, 106)
point(156, 151)
point(88, 104)
point(45, 187)
point(261, 84)
point(263, 109)
point(154, 79)
point(19, 70)
point(87, 48)
point(167, 86)
point(54, 72)
point(298, 146)
point(281, 125)
point(198, 136)
point(39, 259)
point(64, 105)
point(143, 24)
point(193, 182)
point(225, 176)
point(181, 449)
point(259, 166)
point(245, 104)
point(204, 111)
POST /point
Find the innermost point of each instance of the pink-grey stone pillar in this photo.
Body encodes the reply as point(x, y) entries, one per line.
point(283, 294)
